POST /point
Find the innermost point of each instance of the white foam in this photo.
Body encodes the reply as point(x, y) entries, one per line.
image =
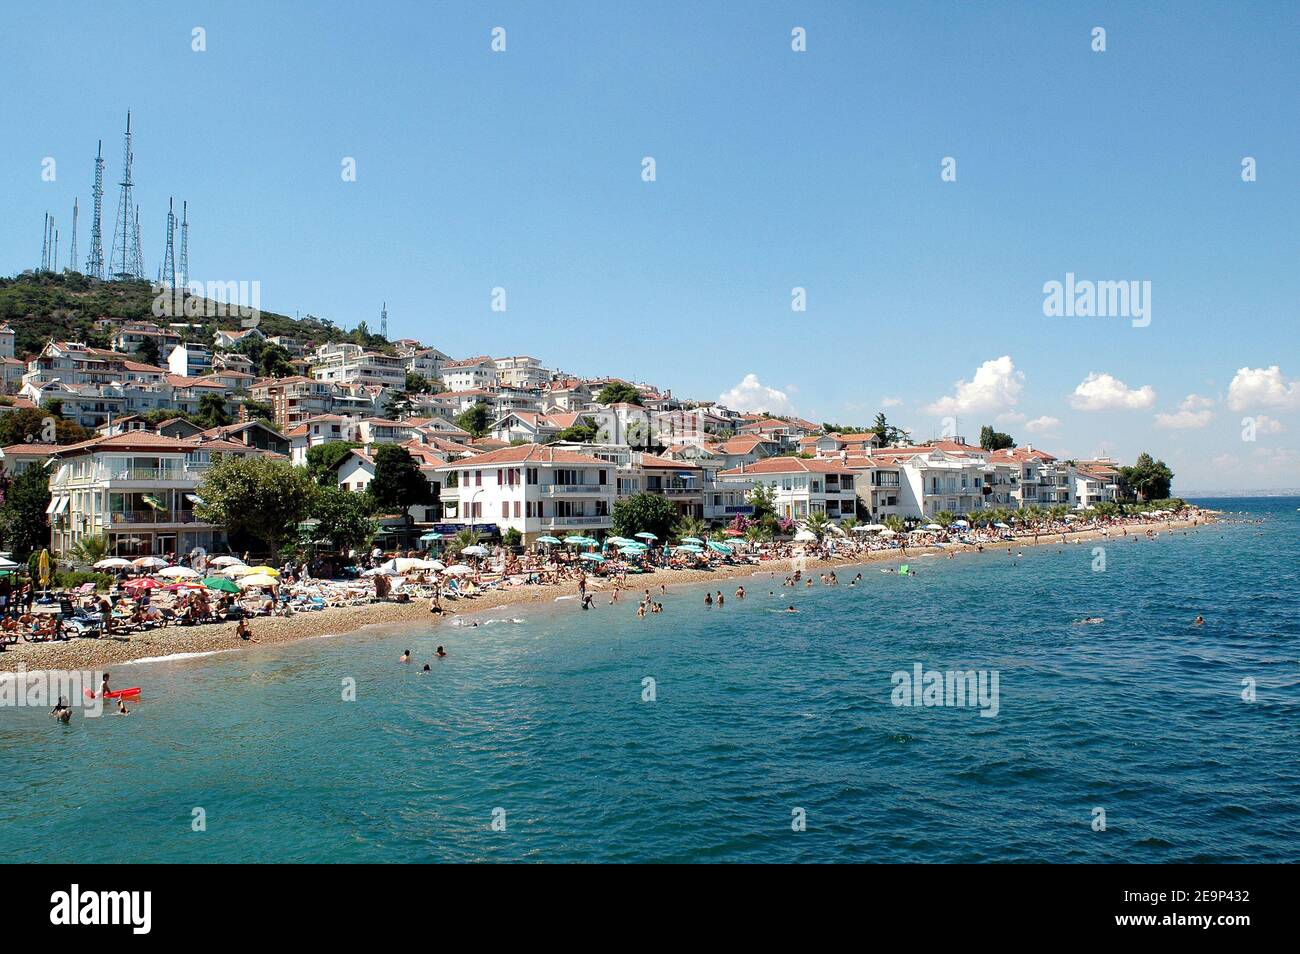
point(174, 657)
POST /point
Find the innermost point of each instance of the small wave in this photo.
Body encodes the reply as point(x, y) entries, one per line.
point(174, 657)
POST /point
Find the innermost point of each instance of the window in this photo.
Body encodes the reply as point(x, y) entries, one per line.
point(505, 508)
point(516, 508)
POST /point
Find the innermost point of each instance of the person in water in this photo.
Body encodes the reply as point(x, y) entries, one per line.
point(122, 709)
point(62, 711)
point(708, 599)
point(1200, 621)
point(791, 609)
point(426, 668)
point(406, 657)
point(740, 592)
point(441, 652)
point(103, 687)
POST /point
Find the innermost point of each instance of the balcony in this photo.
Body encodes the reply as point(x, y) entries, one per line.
point(559, 490)
point(135, 517)
point(586, 521)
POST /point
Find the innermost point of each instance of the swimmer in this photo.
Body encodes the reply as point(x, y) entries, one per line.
point(62, 711)
point(720, 597)
point(1088, 620)
point(440, 653)
point(740, 592)
point(1200, 621)
point(406, 657)
point(426, 668)
point(791, 609)
point(103, 687)
point(121, 708)
point(708, 599)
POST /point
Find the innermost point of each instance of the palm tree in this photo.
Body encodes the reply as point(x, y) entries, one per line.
point(818, 523)
point(976, 517)
point(848, 523)
point(894, 522)
point(91, 549)
point(944, 518)
point(690, 527)
point(758, 533)
point(466, 538)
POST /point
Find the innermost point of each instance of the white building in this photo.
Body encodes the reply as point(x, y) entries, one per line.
point(801, 487)
point(470, 374)
point(521, 371)
point(534, 489)
point(190, 359)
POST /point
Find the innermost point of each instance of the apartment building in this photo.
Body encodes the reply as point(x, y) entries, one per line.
point(138, 489)
point(470, 374)
point(800, 486)
point(346, 363)
point(130, 336)
point(293, 400)
point(535, 489)
point(521, 371)
point(190, 359)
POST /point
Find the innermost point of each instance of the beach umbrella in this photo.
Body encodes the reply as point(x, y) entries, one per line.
point(220, 583)
point(226, 561)
point(575, 539)
point(255, 579)
point(645, 535)
point(591, 557)
point(632, 551)
point(434, 565)
point(237, 569)
point(178, 573)
point(549, 541)
point(618, 541)
point(475, 550)
point(638, 545)
point(960, 523)
point(1001, 526)
point(111, 563)
point(696, 540)
point(405, 564)
point(142, 583)
point(888, 533)
point(719, 547)
point(870, 527)
point(733, 532)
point(430, 536)
point(264, 570)
point(183, 585)
point(149, 562)
point(688, 548)
point(805, 536)
point(460, 569)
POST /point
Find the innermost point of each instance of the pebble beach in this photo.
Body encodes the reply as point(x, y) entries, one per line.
point(85, 654)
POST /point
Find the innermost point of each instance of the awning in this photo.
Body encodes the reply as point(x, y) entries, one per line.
point(54, 504)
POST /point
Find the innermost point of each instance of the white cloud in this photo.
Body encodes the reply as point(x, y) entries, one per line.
point(1193, 412)
point(1043, 425)
point(752, 395)
point(1262, 387)
point(1011, 417)
point(1102, 392)
point(996, 386)
point(890, 401)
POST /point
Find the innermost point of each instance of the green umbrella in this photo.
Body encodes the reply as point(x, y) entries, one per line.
point(695, 540)
point(577, 540)
point(548, 540)
point(593, 557)
point(719, 547)
point(632, 551)
point(645, 535)
point(688, 548)
point(221, 583)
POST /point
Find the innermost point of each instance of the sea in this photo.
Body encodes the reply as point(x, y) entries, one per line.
point(734, 733)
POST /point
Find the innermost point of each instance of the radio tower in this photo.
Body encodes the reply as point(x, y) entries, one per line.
point(185, 245)
point(125, 259)
point(54, 266)
point(167, 276)
point(72, 252)
point(383, 321)
point(95, 261)
point(45, 244)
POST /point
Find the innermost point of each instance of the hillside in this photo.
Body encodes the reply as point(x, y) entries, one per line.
point(65, 306)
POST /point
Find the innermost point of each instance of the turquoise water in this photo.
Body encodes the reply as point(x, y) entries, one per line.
point(758, 713)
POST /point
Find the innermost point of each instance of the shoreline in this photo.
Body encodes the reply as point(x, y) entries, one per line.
point(177, 642)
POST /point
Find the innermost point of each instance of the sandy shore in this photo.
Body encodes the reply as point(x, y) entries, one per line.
point(87, 654)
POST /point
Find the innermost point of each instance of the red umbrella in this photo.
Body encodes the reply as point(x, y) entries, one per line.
point(143, 583)
point(187, 585)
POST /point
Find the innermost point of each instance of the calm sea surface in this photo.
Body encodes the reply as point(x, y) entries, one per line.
point(758, 713)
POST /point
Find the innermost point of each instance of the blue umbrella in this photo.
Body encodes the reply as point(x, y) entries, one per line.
point(593, 557)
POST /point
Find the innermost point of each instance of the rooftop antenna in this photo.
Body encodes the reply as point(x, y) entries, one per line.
point(95, 261)
point(185, 245)
point(383, 321)
point(72, 252)
point(125, 263)
point(167, 274)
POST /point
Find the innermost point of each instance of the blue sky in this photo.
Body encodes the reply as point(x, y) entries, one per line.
point(775, 169)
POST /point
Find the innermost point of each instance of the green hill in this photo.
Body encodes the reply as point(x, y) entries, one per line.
point(65, 306)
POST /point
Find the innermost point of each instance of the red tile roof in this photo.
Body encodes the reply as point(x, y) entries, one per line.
point(527, 454)
point(789, 465)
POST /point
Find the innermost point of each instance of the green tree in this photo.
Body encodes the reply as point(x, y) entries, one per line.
point(1150, 479)
point(91, 549)
point(24, 526)
point(618, 392)
point(475, 420)
point(344, 517)
point(212, 411)
point(29, 425)
point(275, 362)
point(398, 484)
point(465, 538)
point(763, 499)
point(323, 461)
point(260, 410)
point(818, 523)
point(644, 513)
point(418, 384)
point(147, 351)
point(398, 405)
point(887, 433)
point(690, 527)
point(992, 440)
point(258, 497)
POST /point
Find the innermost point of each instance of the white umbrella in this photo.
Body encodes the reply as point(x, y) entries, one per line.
point(226, 561)
point(888, 533)
point(475, 551)
point(835, 528)
point(149, 561)
point(933, 526)
point(460, 569)
point(179, 573)
point(1001, 526)
point(256, 579)
point(111, 563)
point(433, 565)
point(805, 536)
point(403, 564)
point(237, 569)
